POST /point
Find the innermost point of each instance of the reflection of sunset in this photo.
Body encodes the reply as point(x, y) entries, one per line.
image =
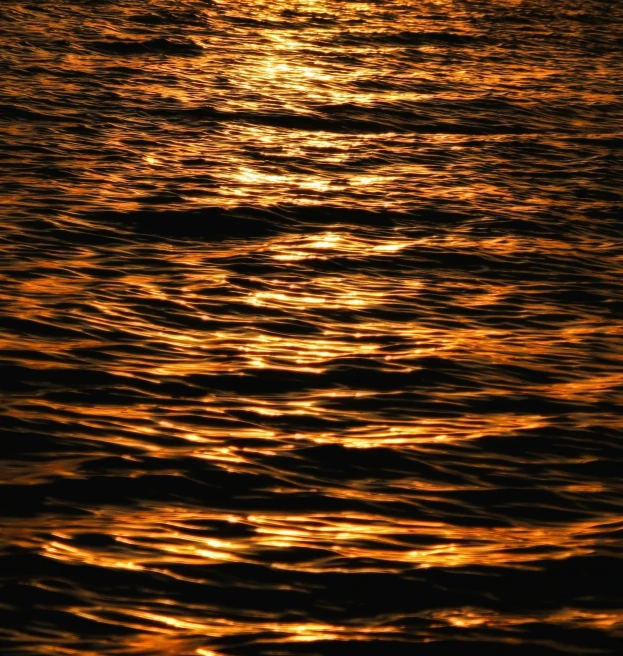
point(152, 541)
point(341, 543)
point(310, 338)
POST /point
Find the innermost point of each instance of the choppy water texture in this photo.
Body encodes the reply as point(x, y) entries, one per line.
point(312, 338)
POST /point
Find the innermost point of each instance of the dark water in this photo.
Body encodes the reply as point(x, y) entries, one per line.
point(312, 327)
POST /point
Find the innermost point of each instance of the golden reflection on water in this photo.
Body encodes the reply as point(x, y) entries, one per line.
point(162, 538)
point(145, 315)
point(468, 617)
point(157, 539)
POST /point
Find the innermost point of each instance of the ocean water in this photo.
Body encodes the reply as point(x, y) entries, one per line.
point(312, 327)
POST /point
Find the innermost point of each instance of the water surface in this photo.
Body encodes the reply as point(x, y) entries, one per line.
point(312, 338)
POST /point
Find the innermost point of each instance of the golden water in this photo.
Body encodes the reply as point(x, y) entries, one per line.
point(312, 336)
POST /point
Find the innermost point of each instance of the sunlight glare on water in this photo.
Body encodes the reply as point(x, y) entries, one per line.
point(311, 327)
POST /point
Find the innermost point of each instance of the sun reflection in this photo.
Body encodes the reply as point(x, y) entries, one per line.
point(378, 381)
point(466, 618)
point(167, 537)
point(161, 540)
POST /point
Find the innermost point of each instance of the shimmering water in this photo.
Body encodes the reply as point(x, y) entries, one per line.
point(312, 338)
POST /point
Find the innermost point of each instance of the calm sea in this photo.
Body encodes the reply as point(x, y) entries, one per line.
point(312, 327)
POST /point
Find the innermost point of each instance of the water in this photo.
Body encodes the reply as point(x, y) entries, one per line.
point(312, 338)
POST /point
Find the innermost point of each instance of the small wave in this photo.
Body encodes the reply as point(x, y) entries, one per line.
point(161, 45)
point(211, 223)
